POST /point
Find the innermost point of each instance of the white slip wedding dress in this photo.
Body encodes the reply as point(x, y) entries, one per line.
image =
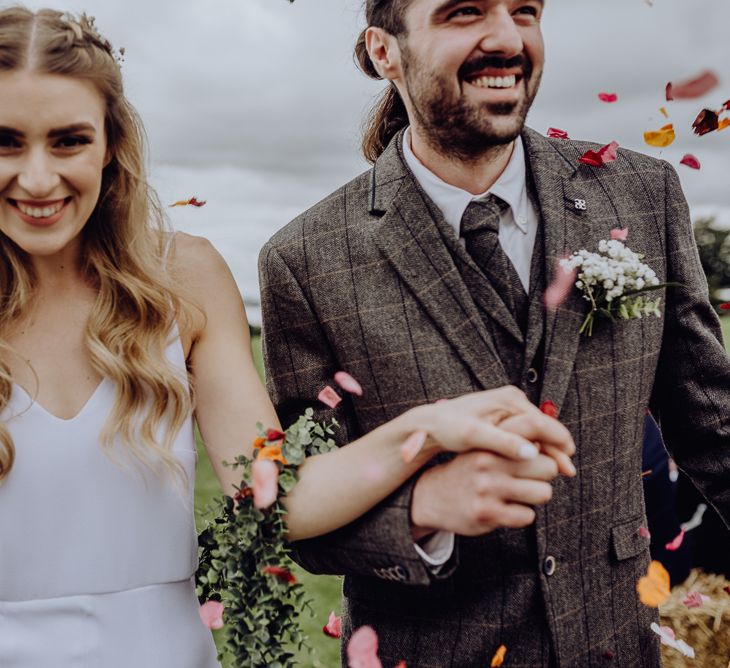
point(97, 561)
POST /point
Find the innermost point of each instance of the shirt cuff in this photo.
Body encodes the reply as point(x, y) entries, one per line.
point(437, 550)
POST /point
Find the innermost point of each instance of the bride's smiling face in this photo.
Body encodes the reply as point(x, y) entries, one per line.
point(53, 150)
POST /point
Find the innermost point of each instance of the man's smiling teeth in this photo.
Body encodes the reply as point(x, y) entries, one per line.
point(40, 212)
point(495, 82)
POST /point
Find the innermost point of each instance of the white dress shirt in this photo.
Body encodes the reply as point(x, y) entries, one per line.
point(517, 231)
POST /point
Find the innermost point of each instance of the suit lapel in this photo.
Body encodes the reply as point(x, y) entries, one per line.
point(567, 228)
point(408, 236)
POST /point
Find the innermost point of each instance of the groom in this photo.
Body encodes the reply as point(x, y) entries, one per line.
point(424, 278)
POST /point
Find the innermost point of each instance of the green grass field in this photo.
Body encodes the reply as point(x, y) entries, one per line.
point(324, 591)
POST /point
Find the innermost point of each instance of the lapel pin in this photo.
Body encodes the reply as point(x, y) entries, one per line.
point(580, 205)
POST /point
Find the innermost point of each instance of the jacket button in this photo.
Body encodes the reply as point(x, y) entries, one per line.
point(531, 375)
point(549, 565)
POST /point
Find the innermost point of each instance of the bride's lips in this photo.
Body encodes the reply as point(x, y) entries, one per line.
point(40, 213)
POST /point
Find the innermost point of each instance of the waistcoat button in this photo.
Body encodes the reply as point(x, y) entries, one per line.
point(531, 375)
point(549, 565)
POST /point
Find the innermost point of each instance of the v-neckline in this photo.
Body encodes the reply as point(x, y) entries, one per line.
point(80, 412)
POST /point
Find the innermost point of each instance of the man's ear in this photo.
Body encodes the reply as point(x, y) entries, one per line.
point(384, 53)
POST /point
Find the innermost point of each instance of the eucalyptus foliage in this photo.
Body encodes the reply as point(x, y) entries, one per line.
point(261, 610)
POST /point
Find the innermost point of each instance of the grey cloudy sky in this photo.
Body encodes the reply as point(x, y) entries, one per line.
point(256, 105)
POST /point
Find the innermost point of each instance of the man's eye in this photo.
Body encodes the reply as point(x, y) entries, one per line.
point(72, 141)
point(528, 10)
point(464, 11)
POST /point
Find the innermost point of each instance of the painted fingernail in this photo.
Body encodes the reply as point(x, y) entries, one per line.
point(528, 451)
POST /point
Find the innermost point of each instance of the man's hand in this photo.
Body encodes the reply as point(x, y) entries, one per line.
point(478, 492)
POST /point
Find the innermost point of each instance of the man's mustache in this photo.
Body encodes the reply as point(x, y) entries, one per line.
point(483, 62)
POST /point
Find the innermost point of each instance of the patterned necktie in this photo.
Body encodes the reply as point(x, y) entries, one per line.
point(480, 231)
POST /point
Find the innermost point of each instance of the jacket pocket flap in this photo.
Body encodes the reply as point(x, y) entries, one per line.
point(627, 541)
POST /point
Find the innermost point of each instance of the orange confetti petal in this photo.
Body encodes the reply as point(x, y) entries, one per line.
point(662, 137)
point(723, 124)
point(663, 110)
point(498, 658)
point(653, 588)
point(272, 452)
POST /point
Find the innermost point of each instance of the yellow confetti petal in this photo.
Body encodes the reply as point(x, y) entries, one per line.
point(724, 122)
point(498, 658)
point(653, 588)
point(664, 112)
point(662, 137)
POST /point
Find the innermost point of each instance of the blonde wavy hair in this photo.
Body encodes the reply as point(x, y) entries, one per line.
point(124, 247)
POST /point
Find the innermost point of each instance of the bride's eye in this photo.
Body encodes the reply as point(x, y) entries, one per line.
point(8, 142)
point(71, 142)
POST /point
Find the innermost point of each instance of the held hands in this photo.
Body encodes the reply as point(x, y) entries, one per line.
point(508, 453)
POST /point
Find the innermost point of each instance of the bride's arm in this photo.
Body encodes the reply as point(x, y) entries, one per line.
point(338, 487)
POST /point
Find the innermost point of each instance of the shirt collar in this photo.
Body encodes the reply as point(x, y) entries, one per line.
point(511, 186)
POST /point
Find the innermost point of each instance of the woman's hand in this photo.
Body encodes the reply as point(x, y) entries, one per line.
point(502, 421)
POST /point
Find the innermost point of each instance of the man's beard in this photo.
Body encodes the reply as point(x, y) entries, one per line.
point(462, 129)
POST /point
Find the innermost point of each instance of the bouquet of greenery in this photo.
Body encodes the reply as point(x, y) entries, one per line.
point(243, 557)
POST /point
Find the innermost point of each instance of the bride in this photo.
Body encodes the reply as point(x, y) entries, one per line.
point(114, 333)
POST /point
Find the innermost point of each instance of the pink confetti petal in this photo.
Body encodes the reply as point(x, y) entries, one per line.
point(607, 97)
point(211, 614)
point(695, 600)
point(620, 234)
point(413, 445)
point(690, 161)
point(644, 533)
point(348, 383)
point(559, 289)
point(556, 133)
point(693, 88)
point(265, 474)
point(329, 397)
point(333, 628)
point(549, 408)
point(676, 543)
point(362, 650)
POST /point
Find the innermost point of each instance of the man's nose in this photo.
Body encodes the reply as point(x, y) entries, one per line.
point(501, 35)
point(38, 176)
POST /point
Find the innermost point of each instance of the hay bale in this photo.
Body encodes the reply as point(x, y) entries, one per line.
point(706, 629)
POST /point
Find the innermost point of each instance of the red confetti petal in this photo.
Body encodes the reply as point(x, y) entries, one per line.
point(555, 133)
point(608, 654)
point(644, 533)
point(348, 383)
point(620, 233)
point(329, 397)
point(668, 92)
point(275, 435)
point(648, 472)
point(727, 590)
point(725, 307)
point(280, 572)
point(676, 543)
point(333, 628)
point(607, 97)
point(193, 201)
point(598, 158)
point(549, 408)
point(690, 160)
point(693, 88)
point(726, 105)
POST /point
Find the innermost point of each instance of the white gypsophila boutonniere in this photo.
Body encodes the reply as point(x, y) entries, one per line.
point(614, 280)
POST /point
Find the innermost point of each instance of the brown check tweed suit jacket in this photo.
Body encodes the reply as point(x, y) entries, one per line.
point(363, 282)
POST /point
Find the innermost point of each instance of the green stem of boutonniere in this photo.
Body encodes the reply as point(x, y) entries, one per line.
point(244, 558)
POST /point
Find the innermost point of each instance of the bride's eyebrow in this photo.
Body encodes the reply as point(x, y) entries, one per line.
point(71, 129)
point(11, 131)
